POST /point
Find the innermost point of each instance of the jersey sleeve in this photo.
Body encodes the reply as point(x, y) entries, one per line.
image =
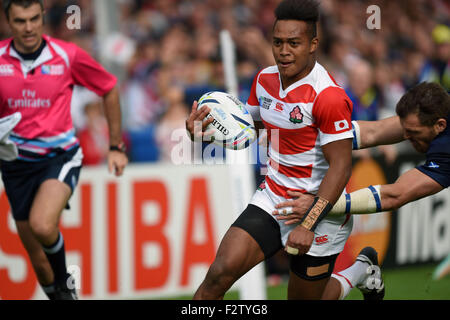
point(253, 103)
point(332, 113)
point(438, 169)
point(90, 74)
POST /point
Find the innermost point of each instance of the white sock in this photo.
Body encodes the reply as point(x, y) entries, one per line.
point(345, 285)
point(351, 277)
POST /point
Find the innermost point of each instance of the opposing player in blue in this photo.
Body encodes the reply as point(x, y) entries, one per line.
point(422, 118)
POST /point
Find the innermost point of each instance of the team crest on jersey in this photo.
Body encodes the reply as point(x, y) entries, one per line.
point(53, 70)
point(296, 115)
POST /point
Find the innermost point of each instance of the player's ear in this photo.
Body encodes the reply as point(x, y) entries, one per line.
point(440, 125)
point(314, 45)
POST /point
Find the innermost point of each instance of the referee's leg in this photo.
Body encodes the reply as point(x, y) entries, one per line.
point(37, 256)
point(48, 204)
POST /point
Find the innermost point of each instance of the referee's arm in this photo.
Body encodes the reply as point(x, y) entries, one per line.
point(116, 160)
point(113, 116)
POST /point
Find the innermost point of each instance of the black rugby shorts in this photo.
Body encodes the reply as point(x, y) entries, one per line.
point(22, 179)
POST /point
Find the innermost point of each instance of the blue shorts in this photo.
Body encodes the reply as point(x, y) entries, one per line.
point(22, 179)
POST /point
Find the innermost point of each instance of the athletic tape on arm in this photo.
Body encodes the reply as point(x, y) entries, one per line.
point(362, 201)
point(356, 135)
point(318, 210)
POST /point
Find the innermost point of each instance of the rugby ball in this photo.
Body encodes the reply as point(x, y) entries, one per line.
point(232, 125)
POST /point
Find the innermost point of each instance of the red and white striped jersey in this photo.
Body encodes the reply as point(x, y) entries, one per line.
point(310, 113)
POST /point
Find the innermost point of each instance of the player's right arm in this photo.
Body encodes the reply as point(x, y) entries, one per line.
point(368, 134)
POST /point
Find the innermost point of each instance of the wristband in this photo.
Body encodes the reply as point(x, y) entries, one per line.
point(120, 147)
point(318, 210)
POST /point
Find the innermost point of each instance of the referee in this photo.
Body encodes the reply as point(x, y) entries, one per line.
point(37, 76)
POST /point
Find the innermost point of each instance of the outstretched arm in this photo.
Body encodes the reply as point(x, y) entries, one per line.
point(373, 133)
point(410, 186)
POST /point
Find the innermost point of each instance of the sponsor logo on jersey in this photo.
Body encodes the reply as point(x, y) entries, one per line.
point(279, 107)
point(322, 239)
point(296, 115)
point(29, 100)
point(341, 125)
point(53, 70)
point(265, 102)
point(6, 70)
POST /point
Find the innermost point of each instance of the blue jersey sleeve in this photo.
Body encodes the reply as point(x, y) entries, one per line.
point(437, 169)
point(437, 165)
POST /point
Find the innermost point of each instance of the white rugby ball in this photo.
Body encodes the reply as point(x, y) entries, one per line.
point(233, 126)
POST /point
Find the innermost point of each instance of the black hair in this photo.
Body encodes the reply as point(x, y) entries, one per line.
point(428, 100)
point(6, 4)
point(303, 10)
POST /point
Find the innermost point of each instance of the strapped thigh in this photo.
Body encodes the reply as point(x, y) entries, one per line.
point(262, 227)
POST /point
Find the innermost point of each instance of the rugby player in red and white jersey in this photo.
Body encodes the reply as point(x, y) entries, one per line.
point(37, 76)
point(308, 120)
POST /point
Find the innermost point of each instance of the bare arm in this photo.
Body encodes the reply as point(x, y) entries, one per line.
point(380, 132)
point(116, 160)
point(410, 186)
point(113, 116)
point(339, 157)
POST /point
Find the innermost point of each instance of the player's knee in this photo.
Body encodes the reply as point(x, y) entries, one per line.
point(220, 274)
point(43, 231)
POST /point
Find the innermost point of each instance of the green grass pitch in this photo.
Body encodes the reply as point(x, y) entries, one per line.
point(406, 283)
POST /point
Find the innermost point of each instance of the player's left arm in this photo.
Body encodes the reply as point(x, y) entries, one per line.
point(332, 112)
point(410, 186)
point(117, 160)
point(339, 157)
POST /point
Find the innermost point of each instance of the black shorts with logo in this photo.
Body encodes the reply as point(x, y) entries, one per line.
point(22, 179)
point(266, 231)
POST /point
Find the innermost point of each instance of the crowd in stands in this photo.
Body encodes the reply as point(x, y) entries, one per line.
point(175, 58)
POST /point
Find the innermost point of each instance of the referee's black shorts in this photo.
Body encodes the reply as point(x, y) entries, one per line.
point(22, 178)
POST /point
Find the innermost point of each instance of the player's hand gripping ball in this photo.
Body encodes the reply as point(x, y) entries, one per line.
point(233, 126)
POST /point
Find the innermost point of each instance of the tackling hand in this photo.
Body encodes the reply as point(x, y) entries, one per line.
point(293, 210)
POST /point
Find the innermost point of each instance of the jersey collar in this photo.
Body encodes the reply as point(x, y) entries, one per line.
point(46, 55)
